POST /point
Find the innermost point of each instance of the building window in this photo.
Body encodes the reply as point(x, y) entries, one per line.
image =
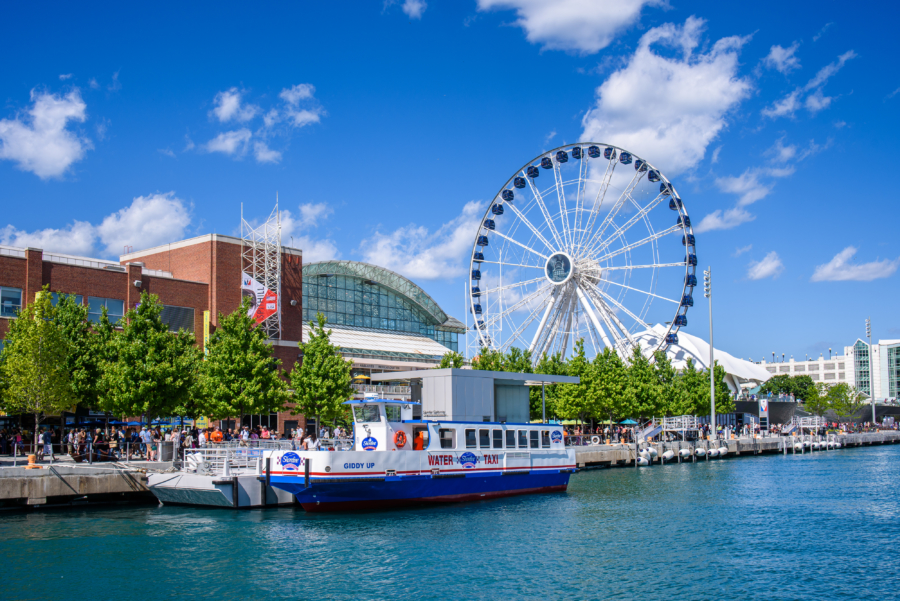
point(54, 298)
point(814, 377)
point(115, 309)
point(799, 368)
point(841, 376)
point(10, 301)
point(785, 369)
point(829, 366)
point(829, 376)
point(771, 370)
point(840, 366)
point(178, 318)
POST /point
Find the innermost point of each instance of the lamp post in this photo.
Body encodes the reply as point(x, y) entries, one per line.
point(871, 365)
point(829, 353)
point(707, 292)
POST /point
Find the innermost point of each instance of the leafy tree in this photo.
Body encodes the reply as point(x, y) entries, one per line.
point(667, 378)
point(575, 400)
point(87, 349)
point(549, 366)
point(845, 400)
point(34, 372)
point(517, 360)
point(610, 377)
point(150, 371)
point(691, 391)
point(643, 389)
point(451, 359)
point(488, 360)
point(322, 381)
point(239, 374)
point(817, 403)
point(724, 402)
point(800, 386)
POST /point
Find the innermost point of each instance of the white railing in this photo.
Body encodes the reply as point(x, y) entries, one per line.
point(11, 251)
point(157, 273)
point(82, 262)
point(381, 388)
point(680, 423)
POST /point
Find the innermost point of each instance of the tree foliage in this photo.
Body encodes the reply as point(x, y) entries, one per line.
point(87, 349)
point(577, 400)
point(552, 365)
point(239, 375)
point(845, 400)
point(802, 387)
point(451, 359)
point(35, 376)
point(149, 371)
point(322, 381)
point(610, 377)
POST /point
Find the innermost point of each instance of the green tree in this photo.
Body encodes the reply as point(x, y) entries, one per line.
point(610, 377)
point(35, 376)
point(692, 391)
point(667, 378)
point(575, 400)
point(451, 359)
point(87, 349)
point(643, 388)
point(150, 371)
point(552, 365)
point(517, 360)
point(799, 386)
point(845, 400)
point(239, 375)
point(817, 403)
point(724, 402)
point(322, 381)
point(488, 360)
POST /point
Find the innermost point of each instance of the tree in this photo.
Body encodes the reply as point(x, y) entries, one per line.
point(239, 375)
point(451, 359)
point(667, 378)
point(87, 349)
point(799, 386)
point(692, 392)
point(517, 360)
point(322, 381)
point(642, 387)
point(575, 400)
point(549, 366)
point(724, 400)
point(488, 360)
point(150, 371)
point(845, 400)
point(35, 377)
point(817, 403)
point(608, 384)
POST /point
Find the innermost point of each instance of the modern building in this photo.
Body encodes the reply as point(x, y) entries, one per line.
point(380, 320)
point(832, 370)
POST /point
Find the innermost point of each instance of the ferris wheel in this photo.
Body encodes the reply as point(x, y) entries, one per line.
point(586, 241)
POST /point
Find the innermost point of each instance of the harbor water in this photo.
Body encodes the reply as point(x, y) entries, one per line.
point(821, 525)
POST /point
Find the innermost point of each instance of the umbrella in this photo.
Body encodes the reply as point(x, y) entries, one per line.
point(117, 423)
point(135, 424)
point(628, 422)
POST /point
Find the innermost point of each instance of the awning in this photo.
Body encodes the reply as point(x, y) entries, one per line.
point(367, 340)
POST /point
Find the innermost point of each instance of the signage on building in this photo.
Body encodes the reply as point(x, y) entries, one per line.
point(205, 332)
point(263, 302)
point(763, 412)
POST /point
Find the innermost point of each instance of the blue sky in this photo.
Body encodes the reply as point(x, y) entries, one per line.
point(386, 128)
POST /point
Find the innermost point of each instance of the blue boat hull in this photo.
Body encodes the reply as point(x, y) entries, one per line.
point(354, 494)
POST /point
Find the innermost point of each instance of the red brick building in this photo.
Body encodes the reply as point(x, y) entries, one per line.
point(189, 277)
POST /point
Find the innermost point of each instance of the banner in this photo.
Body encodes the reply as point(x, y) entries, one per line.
point(263, 302)
point(205, 332)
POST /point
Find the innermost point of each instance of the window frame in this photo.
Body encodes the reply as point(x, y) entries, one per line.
point(533, 440)
point(484, 438)
point(471, 438)
point(510, 439)
point(523, 439)
point(15, 308)
point(497, 438)
point(450, 439)
point(545, 439)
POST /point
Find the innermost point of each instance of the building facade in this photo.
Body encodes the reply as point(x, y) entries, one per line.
point(832, 370)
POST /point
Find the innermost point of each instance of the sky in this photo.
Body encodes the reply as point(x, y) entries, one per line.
point(386, 127)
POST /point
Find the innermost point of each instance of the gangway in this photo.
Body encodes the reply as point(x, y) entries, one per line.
point(680, 424)
point(652, 429)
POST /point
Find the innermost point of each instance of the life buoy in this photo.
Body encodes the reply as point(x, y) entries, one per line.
point(400, 439)
point(595, 440)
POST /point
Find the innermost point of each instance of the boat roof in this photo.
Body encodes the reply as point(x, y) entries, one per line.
point(386, 401)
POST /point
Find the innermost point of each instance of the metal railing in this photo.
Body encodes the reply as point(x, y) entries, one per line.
point(12, 251)
point(680, 423)
point(381, 388)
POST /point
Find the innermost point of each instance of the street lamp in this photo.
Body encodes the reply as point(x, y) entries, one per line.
point(782, 357)
point(707, 292)
point(871, 378)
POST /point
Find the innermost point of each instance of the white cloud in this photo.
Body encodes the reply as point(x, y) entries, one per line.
point(719, 220)
point(304, 117)
point(739, 251)
point(770, 267)
point(815, 99)
point(295, 94)
point(652, 106)
point(583, 26)
point(166, 151)
point(75, 239)
point(822, 32)
point(715, 155)
point(293, 232)
point(149, 221)
point(228, 106)
point(65, 76)
point(414, 8)
point(747, 186)
point(40, 142)
point(93, 83)
point(419, 253)
point(549, 137)
point(115, 85)
point(783, 60)
point(839, 269)
point(230, 142)
point(264, 154)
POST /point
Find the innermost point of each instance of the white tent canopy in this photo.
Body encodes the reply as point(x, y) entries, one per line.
point(740, 373)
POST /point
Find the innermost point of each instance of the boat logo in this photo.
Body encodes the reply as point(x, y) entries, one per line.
point(468, 460)
point(369, 443)
point(556, 436)
point(290, 462)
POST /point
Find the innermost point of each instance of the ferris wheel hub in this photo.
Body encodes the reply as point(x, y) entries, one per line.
point(559, 268)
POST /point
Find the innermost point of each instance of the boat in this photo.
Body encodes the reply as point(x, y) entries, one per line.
point(397, 461)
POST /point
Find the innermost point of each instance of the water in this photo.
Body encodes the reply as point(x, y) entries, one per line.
point(818, 526)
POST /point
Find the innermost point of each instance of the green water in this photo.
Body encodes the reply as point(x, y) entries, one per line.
point(818, 526)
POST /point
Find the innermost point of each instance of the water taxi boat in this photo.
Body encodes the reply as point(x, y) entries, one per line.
point(396, 460)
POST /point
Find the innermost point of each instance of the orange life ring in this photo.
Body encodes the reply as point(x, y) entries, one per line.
point(400, 438)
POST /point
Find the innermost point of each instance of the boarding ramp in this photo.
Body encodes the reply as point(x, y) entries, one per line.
point(225, 457)
point(810, 423)
point(681, 423)
point(651, 429)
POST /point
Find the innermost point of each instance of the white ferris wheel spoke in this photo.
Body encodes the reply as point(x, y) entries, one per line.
point(598, 201)
point(579, 197)
point(543, 323)
point(540, 201)
point(563, 211)
point(641, 214)
point(505, 264)
point(516, 285)
point(592, 316)
point(528, 248)
point(517, 333)
point(632, 246)
point(513, 308)
point(653, 266)
point(620, 306)
point(529, 225)
point(641, 291)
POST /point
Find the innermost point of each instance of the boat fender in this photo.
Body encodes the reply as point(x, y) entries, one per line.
point(400, 439)
point(595, 440)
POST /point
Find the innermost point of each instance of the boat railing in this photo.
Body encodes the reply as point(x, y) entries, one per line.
point(221, 458)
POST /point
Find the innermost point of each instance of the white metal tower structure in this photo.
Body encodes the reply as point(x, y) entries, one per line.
point(261, 260)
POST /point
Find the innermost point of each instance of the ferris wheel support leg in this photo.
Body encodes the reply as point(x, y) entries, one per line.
point(593, 316)
point(540, 327)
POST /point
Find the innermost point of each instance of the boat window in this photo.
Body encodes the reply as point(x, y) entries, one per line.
point(448, 438)
point(510, 439)
point(534, 439)
point(366, 414)
point(392, 412)
point(484, 439)
point(470, 439)
point(545, 439)
point(523, 439)
point(498, 439)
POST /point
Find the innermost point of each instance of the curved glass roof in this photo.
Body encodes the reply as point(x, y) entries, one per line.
point(388, 279)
